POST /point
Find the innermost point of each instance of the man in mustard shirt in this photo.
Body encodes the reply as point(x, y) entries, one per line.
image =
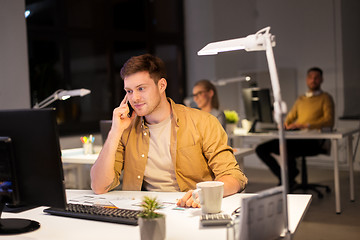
point(162, 146)
point(313, 110)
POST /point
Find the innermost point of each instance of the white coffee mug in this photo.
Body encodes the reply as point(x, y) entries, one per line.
point(210, 195)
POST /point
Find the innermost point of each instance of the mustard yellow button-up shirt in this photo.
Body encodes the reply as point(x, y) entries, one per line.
point(198, 147)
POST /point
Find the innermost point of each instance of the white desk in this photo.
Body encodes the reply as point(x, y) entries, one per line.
point(179, 224)
point(240, 153)
point(77, 158)
point(334, 136)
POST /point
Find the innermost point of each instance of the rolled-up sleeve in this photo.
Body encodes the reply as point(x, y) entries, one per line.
point(220, 155)
point(204, 154)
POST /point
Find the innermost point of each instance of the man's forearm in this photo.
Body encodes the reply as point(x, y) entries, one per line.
point(102, 172)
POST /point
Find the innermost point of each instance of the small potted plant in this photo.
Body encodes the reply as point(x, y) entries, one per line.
point(152, 224)
point(232, 119)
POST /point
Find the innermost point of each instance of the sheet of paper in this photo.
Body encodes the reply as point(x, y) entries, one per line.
point(135, 204)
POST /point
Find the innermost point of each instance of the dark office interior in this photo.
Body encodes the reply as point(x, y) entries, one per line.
point(83, 44)
point(80, 44)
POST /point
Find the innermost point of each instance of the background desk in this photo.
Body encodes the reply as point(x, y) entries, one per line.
point(334, 137)
point(75, 159)
point(240, 153)
point(76, 155)
point(179, 224)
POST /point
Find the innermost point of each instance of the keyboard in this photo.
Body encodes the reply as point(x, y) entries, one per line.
point(98, 213)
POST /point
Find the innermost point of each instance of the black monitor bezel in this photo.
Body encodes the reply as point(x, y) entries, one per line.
point(37, 156)
point(258, 106)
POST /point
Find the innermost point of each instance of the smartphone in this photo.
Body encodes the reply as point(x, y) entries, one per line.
point(131, 110)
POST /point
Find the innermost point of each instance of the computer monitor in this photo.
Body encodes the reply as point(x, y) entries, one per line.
point(31, 171)
point(258, 106)
point(264, 211)
point(105, 126)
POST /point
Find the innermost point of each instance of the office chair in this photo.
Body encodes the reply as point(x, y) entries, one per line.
point(304, 185)
point(105, 126)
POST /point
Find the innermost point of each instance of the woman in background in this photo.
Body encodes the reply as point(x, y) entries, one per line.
point(206, 98)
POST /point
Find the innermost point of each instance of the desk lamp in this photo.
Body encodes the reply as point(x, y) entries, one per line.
point(188, 101)
point(223, 82)
point(62, 95)
point(263, 40)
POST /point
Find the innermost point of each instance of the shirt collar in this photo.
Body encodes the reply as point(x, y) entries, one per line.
point(313, 94)
point(173, 112)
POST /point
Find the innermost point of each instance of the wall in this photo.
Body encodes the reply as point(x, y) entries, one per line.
point(308, 33)
point(297, 48)
point(306, 37)
point(351, 51)
point(14, 71)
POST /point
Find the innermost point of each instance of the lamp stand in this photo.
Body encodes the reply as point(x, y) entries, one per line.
point(260, 41)
point(280, 111)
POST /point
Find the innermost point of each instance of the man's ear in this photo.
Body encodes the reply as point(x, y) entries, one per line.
point(162, 84)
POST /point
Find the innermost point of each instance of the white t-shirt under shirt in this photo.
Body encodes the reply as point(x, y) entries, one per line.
point(160, 172)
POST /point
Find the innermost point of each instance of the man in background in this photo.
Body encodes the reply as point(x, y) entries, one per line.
point(313, 110)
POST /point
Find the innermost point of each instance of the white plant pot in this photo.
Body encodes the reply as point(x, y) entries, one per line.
point(152, 229)
point(230, 128)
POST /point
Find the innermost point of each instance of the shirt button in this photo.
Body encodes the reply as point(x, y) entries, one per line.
point(142, 155)
point(138, 177)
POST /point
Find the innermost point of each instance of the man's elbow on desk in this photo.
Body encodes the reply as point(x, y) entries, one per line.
point(101, 182)
point(231, 185)
point(98, 190)
point(100, 187)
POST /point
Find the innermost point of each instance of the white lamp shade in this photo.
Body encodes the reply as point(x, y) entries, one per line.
point(253, 42)
point(63, 95)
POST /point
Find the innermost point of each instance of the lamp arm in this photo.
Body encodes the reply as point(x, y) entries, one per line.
point(223, 82)
point(280, 111)
point(47, 101)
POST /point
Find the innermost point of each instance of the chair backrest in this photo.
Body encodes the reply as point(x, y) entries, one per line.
point(326, 147)
point(105, 126)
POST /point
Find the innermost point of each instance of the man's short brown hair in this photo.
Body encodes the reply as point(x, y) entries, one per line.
point(315, 69)
point(144, 63)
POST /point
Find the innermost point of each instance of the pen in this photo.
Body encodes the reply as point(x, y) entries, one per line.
point(109, 206)
point(89, 139)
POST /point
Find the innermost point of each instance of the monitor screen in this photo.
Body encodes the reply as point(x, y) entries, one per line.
point(8, 184)
point(258, 105)
point(30, 159)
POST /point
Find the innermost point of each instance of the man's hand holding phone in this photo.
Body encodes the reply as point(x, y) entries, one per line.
point(103, 169)
point(123, 115)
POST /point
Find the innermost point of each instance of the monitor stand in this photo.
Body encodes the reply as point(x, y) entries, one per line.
point(253, 126)
point(16, 225)
point(17, 208)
